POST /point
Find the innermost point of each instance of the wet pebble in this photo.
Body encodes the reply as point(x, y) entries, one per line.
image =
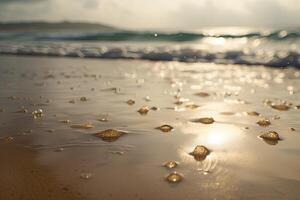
point(270, 136)
point(174, 177)
point(171, 164)
point(200, 152)
point(204, 120)
point(143, 110)
point(110, 135)
point(130, 102)
point(263, 122)
point(165, 128)
point(38, 113)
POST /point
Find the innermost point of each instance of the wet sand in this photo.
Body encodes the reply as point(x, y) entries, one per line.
point(45, 158)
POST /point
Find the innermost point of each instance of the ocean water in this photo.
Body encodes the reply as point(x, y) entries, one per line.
point(245, 46)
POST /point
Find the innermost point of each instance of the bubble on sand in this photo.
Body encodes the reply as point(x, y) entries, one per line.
point(263, 122)
point(204, 120)
point(200, 152)
point(143, 110)
point(271, 137)
point(202, 94)
point(174, 177)
point(110, 135)
point(165, 128)
point(147, 98)
point(38, 113)
point(130, 102)
point(83, 126)
point(171, 164)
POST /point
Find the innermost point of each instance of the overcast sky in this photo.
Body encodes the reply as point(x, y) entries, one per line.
point(157, 13)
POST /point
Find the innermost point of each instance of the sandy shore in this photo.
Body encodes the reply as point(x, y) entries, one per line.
point(57, 156)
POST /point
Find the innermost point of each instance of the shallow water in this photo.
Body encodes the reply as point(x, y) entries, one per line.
point(240, 165)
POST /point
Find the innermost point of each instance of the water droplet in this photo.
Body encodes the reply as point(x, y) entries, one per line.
point(130, 102)
point(110, 135)
point(263, 122)
point(171, 164)
point(202, 94)
point(204, 120)
point(83, 126)
point(66, 121)
point(143, 110)
point(174, 177)
point(165, 128)
point(200, 152)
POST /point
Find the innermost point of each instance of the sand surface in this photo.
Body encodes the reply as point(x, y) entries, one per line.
point(45, 158)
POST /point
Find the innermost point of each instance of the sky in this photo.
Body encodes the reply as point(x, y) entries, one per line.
point(149, 14)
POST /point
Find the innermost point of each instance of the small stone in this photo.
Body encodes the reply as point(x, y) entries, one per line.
point(171, 164)
point(202, 94)
point(130, 102)
point(66, 121)
point(296, 107)
point(154, 108)
point(264, 122)
point(59, 149)
point(8, 139)
point(165, 128)
point(174, 177)
point(204, 120)
point(110, 135)
point(270, 136)
point(37, 113)
point(253, 113)
point(85, 175)
point(51, 130)
point(103, 119)
point(147, 98)
point(227, 113)
point(72, 101)
point(144, 110)
point(82, 126)
point(280, 107)
point(83, 99)
point(200, 152)
point(22, 110)
point(192, 106)
point(292, 129)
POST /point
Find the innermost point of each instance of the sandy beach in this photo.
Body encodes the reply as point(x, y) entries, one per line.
point(52, 108)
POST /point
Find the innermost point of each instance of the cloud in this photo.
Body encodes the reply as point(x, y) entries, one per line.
point(157, 13)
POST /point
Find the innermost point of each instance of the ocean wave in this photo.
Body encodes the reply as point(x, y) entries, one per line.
point(275, 59)
point(145, 36)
